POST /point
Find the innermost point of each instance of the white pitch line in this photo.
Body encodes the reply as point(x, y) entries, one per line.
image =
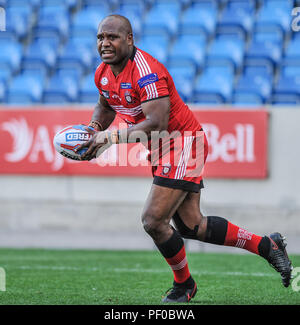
point(140, 270)
point(254, 274)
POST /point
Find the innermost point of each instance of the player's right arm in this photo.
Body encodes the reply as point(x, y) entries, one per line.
point(103, 115)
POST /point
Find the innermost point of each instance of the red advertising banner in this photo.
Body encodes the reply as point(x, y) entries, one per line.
point(237, 144)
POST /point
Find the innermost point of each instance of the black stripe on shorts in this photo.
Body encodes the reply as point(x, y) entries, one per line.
point(178, 184)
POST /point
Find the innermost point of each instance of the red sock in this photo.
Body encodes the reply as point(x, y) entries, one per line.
point(242, 238)
point(174, 253)
point(179, 266)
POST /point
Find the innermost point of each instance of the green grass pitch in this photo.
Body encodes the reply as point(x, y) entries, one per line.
point(92, 277)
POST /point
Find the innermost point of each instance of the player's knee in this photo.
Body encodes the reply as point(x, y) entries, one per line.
point(185, 231)
point(152, 224)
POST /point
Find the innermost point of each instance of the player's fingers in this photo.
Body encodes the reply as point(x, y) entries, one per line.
point(86, 155)
point(95, 152)
point(92, 154)
point(83, 145)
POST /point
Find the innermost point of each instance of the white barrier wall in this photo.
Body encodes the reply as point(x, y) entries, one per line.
point(105, 212)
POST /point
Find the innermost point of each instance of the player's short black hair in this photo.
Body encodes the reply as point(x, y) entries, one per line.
point(126, 23)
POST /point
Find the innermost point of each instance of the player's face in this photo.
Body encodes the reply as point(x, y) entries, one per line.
point(113, 42)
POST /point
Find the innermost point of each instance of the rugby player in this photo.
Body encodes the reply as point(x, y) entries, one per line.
point(138, 88)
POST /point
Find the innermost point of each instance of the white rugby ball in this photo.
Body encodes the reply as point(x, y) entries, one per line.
point(70, 138)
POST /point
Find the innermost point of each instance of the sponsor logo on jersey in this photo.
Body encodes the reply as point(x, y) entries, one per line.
point(128, 97)
point(166, 169)
point(125, 85)
point(115, 96)
point(82, 136)
point(147, 80)
point(104, 81)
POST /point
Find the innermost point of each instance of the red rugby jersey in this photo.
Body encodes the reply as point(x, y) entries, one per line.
point(143, 79)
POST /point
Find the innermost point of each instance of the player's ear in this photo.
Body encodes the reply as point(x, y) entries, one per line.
point(130, 39)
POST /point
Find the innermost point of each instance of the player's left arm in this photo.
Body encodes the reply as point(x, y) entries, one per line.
point(157, 119)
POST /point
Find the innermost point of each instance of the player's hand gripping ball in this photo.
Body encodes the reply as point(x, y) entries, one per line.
point(70, 138)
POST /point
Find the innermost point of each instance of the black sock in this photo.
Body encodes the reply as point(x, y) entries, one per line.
point(172, 246)
point(264, 247)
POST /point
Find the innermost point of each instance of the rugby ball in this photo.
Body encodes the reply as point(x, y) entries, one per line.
point(70, 138)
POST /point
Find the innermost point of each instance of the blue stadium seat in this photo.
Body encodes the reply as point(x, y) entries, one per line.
point(134, 10)
point(52, 23)
point(61, 89)
point(226, 51)
point(237, 17)
point(25, 89)
point(96, 61)
point(35, 3)
point(189, 48)
point(5, 70)
point(88, 92)
point(72, 4)
point(260, 70)
point(268, 36)
point(136, 22)
point(253, 89)
point(10, 57)
point(184, 77)
point(214, 86)
point(275, 15)
point(13, 3)
point(39, 55)
point(87, 41)
point(7, 37)
point(86, 21)
point(264, 53)
point(24, 9)
point(185, 3)
point(292, 52)
point(75, 56)
point(155, 45)
point(199, 18)
point(149, 3)
point(244, 4)
point(53, 7)
point(135, 6)
point(5, 74)
point(2, 90)
point(287, 91)
point(99, 3)
point(76, 74)
point(69, 4)
point(290, 70)
point(51, 40)
point(90, 45)
point(39, 74)
point(163, 17)
point(16, 24)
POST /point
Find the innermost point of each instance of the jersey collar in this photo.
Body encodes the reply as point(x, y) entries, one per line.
point(133, 53)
